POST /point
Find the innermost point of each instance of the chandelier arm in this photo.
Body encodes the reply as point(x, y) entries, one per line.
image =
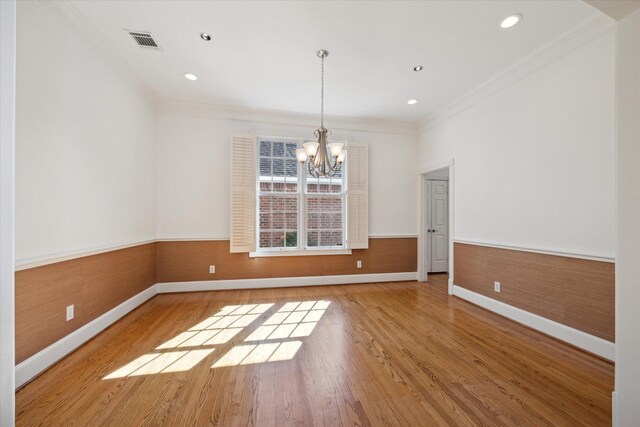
point(334, 164)
point(323, 160)
point(329, 165)
point(312, 170)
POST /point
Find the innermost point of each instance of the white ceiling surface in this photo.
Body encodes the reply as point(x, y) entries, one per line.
point(263, 53)
point(617, 9)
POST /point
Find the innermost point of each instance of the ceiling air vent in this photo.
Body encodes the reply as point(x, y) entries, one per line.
point(144, 39)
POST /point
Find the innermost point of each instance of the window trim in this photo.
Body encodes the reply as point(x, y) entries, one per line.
point(301, 193)
point(298, 252)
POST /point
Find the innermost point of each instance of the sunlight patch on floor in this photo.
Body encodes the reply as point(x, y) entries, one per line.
point(259, 353)
point(293, 320)
point(156, 363)
point(188, 348)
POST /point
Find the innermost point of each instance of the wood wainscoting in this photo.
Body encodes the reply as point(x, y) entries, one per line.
point(186, 261)
point(93, 284)
point(576, 292)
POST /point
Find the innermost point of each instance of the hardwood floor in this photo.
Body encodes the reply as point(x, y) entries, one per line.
point(396, 354)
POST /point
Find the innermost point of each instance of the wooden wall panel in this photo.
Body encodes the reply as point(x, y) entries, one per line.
point(94, 284)
point(575, 292)
point(184, 261)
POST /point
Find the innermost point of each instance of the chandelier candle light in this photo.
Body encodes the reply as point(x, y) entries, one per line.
point(322, 161)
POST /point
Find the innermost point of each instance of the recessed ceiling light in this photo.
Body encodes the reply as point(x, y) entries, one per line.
point(511, 20)
point(190, 76)
point(206, 37)
point(412, 101)
point(418, 68)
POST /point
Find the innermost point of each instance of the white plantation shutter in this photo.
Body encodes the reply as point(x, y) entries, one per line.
point(243, 193)
point(357, 196)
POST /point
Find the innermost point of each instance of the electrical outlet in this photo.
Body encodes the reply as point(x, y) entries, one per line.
point(496, 286)
point(359, 264)
point(212, 269)
point(70, 313)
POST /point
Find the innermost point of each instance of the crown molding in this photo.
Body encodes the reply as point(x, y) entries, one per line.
point(617, 9)
point(582, 33)
point(284, 118)
point(67, 10)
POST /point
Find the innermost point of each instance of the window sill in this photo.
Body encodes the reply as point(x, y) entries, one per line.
point(308, 252)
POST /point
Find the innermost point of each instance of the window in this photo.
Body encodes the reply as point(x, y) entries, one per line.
point(278, 195)
point(275, 206)
point(325, 211)
point(296, 210)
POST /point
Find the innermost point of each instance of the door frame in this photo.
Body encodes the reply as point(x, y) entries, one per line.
point(7, 212)
point(423, 216)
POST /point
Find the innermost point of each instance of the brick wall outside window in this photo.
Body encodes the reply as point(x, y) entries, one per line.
point(282, 199)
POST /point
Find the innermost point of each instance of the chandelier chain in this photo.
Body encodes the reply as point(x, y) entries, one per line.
point(320, 161)
point(322, 95)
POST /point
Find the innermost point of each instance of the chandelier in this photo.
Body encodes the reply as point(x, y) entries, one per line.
point(323, 159)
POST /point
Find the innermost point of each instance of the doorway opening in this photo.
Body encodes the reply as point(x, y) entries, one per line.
point(436, 223)
point(437, 241)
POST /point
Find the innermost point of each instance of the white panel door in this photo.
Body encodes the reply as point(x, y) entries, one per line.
point(438, 231)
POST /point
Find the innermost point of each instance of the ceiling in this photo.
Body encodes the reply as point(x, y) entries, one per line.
point(263, 53)
point(617, 9)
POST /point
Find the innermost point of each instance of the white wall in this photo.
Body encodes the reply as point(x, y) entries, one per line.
point(534, 161)
point(628, 268)
point(7, 152)
point(85, 160)
point(193, 172)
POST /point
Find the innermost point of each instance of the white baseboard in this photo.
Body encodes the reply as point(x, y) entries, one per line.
point(40, 361)
point(216, 285)
point(590, 343)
